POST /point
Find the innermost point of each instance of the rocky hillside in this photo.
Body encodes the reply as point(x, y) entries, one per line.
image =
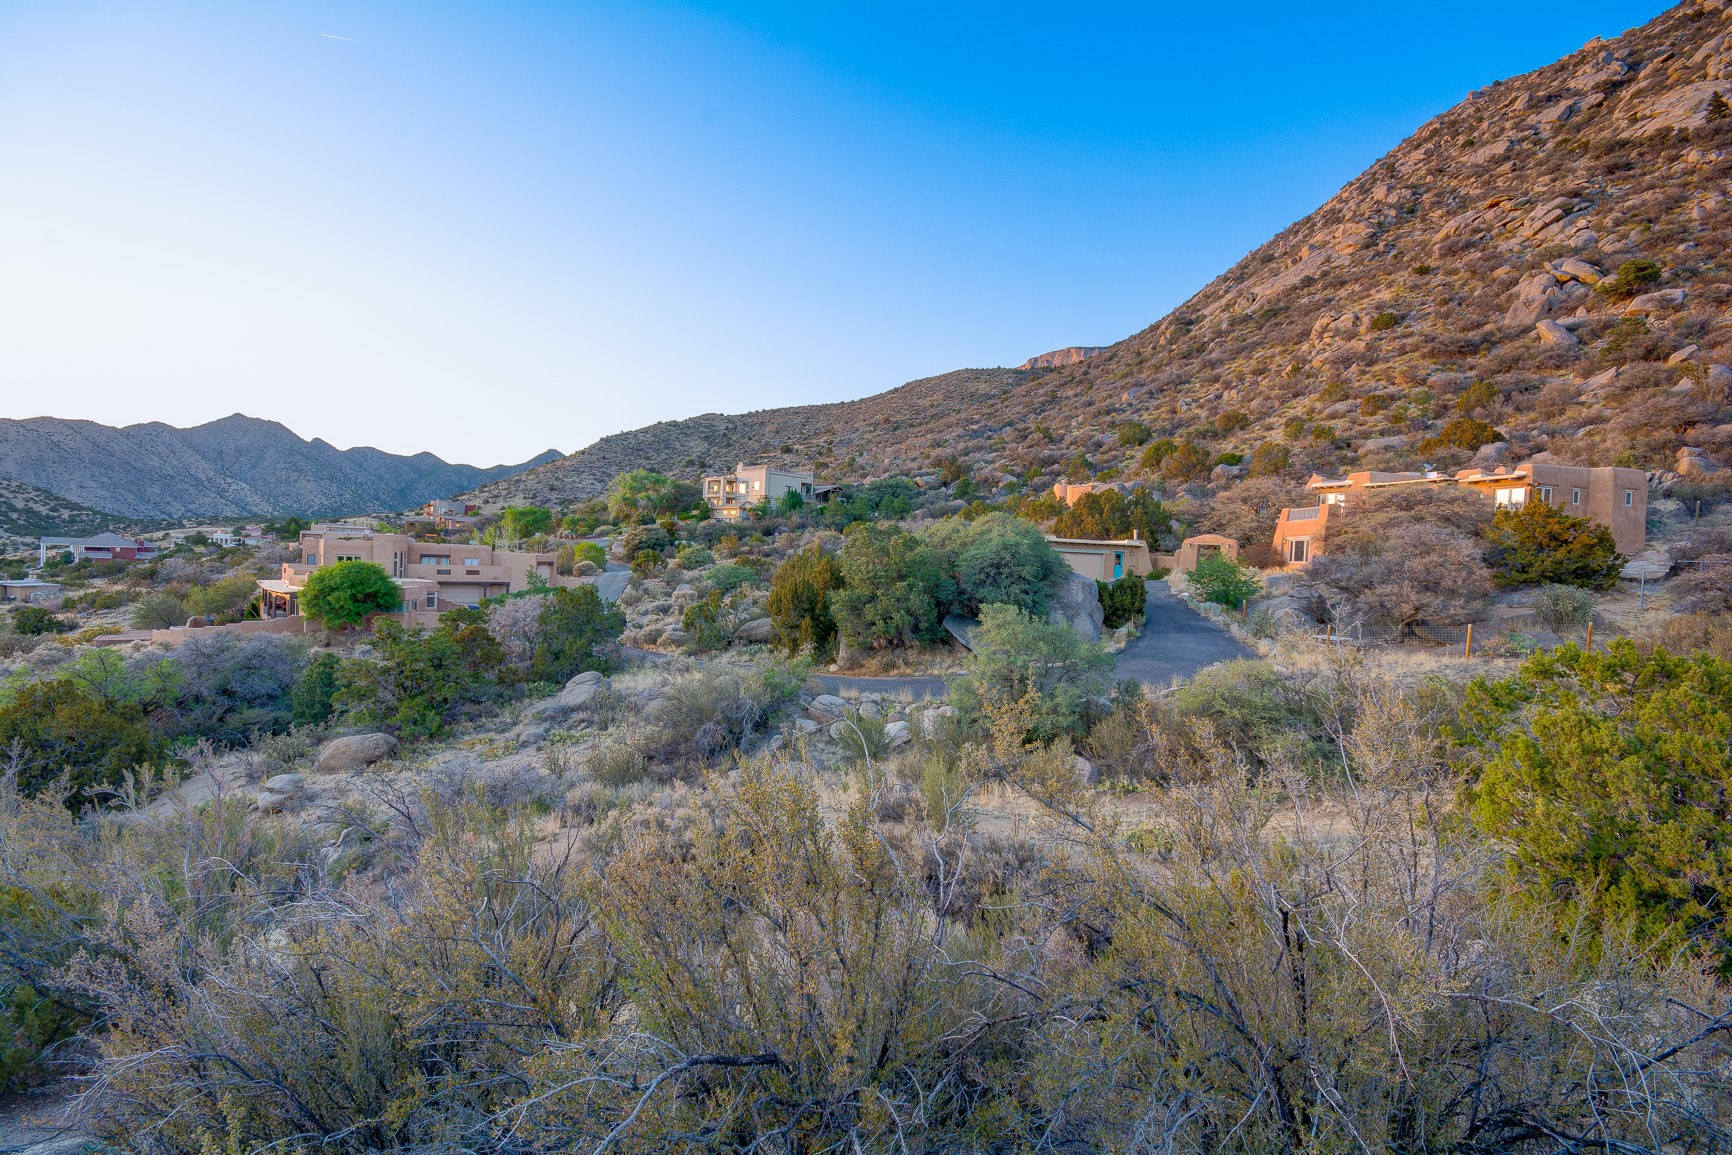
point(27, 513)
point(236, 467)
point(1472, 273)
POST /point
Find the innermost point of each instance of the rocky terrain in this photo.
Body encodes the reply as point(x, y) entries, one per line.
point(1472, 273)
point(236, 467)
point(27, 513)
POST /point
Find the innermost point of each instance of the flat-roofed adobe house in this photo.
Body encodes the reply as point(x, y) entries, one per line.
point(1071, 492)
point(1614, 497)
point(99, 547)
point(1109, 560)
point(731, 496)
point(434, 577)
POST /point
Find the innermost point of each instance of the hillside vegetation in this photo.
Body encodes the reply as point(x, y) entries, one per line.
point(1546, 261)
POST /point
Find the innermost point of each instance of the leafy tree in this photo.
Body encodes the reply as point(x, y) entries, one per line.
point(315, 689)
point(521, 522)
point(1124, 600)
point(644, 494)
point(964, 489)
point(1462, 433)
point(999, 559)
point(60, 726)
point(575, 623)
point(799, 601)
point(792, 502)
point(34, 620)
point(1538, 543)
point(639, 538)
point(646, 562)
point(344, 594)
point(1042, 675)
point(1220, 579)
point(894, 592)
point(568, 556)
point(1608, 776)
point(1109, 514)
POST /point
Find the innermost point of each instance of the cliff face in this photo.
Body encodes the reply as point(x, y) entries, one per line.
point(236, 467)
point(1066, 356)
point(1458, 276)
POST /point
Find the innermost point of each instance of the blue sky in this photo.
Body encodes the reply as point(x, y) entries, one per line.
point(489, 229)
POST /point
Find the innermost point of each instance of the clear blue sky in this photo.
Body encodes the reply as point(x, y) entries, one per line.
point(488, 229)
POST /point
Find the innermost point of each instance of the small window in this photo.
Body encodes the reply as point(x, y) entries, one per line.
point(1575, 497)
point(1298, 549)
point(1629, 497)
point(432, 600)
point(471, 561)
point(1545, 492)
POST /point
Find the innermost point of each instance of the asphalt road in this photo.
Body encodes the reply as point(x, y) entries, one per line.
point(1175, 643)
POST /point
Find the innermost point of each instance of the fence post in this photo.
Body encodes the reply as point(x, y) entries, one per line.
point(1590, 644)
point(1245, 610)
point(1467, 649)
point(1328, 634)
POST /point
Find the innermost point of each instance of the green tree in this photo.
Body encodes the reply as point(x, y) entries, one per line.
point(420, 679)
point(1633, 277)
point(999, 559)
point(644, 494)
point(575, 623)
point(344, 594)
point(1157, 452)
point(310, 700)
point(1044, 675)
point(1124, 600)
point(522, 522)
point(792, 502)
point(61, 726)
point(1608, 776)
point(1111, 515)
point(1133, 433)
point(1220, 579)
point(894, 589)
point(1537, 543)
point(799, 601)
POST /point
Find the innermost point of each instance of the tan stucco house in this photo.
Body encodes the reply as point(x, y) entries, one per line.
point(732, 495)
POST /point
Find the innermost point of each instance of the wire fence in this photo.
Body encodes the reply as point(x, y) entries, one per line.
point(1513, 635)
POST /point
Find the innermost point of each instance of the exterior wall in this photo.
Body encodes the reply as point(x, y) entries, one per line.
point(1072, 492)
point(1596, 492)
point(731, 495)
point(1194, 549)
point(1097, 559)
point(1307, 524)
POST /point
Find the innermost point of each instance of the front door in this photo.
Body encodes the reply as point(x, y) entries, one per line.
point(1118, 564)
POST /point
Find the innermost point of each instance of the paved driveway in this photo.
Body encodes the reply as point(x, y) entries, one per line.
point(1175, 643)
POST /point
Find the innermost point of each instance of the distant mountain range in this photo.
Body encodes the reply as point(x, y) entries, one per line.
point(236, 467)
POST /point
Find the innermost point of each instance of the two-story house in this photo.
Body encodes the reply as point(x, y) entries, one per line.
point(732, 495)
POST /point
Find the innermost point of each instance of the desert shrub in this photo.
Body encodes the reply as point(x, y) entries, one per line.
point(646, 562)
point(710, 624)
point(1156, 453)
point(1232, 420)
point(643, 495)
point(708, 715)
point(1123, 600)
point(1477, 396)
point(693, 557)
point(1692, 633)
point(799, 601)
point(1404, 576)
point(998, 559)
point(160, 611)
point(1187, 462)
point(1632, 278)
point(1383, 322)
point(1033, 675)
point(1467, 433)
point(1132, 434)
point(642, 538)
point(1220, 579)
point(33, 621)
point(1270, 459)
point(1561, 607)
point(59, 727)
point(568, 556)
point(1538, 543)
point(1704, 585)
point(1264, 719)
point(730, 576)
point(1605, 775)
point(421, 680)
point(224, 687)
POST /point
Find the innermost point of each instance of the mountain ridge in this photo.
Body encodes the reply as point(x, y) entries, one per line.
point(1436, 286)
point(234, 466)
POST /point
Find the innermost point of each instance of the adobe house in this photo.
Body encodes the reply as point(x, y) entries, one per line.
point(434, 577)
point(1106, 560)
point(1614, 497)
point(1071, 492)
point(731, 496)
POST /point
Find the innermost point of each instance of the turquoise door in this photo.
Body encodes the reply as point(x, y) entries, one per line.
point(1118, 564)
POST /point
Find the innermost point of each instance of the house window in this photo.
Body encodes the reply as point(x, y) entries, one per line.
point(1575, 497)
point(1511, 497)
point(1545, 492)
point(1299, 549)
point(471, 561)
point(1629, 497)
point(432, 600)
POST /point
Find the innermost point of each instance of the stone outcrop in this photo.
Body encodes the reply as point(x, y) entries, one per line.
point(355, 752)
point(1077, 604)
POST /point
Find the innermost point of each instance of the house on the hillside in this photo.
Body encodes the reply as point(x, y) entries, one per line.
point(29, 591)
point(732, 495)
point(1071, 492)
point(1107, 560)
point(433, 577)
point(1614, 497)
point(99, 547)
